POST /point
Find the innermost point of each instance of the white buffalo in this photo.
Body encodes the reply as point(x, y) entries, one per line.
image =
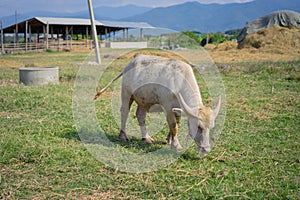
point(153, 80)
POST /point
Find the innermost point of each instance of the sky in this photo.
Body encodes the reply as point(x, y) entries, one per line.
point(8, 7)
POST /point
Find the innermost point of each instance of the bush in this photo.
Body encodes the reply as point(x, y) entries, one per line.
point(49, 50)
point(211, 38)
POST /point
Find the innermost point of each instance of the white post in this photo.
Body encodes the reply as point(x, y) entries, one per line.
point(94, 31)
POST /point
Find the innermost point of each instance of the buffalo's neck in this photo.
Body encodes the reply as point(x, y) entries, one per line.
point(192, 98)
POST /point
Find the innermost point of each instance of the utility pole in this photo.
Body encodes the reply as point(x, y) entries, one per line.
point(94, 32)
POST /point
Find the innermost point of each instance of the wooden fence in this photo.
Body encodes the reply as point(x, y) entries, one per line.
point(60, 45)
point(64, 45)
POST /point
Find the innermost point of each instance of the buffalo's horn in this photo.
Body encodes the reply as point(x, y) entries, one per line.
point(187, 109)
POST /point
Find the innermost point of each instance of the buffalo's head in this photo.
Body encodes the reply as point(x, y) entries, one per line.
point(200, 121)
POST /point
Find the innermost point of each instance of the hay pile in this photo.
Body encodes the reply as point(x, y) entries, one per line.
point(227, 45)
point(277, 40)
point(270, 44)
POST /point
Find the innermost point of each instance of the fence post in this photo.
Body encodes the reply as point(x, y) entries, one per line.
point(87, 36)
point(30, 35)
point(17, 29)
point(71, 40)
point(67, 39)
point(47, 36)
point(2, 38)
point(26, 31)
point(58, 44)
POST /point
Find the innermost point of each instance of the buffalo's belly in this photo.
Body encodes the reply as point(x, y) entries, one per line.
point(152, 94)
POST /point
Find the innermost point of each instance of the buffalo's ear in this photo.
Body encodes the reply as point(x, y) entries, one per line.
point(178, 111)
point(217, 108)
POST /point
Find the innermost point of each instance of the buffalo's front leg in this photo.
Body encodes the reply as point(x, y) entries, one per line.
point(141, 117)
point(173, 130)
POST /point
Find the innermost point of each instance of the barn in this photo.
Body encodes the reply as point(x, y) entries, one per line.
point(52, 32)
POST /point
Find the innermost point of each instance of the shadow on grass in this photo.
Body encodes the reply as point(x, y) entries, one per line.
point(135, 144)
point(72, 136)
point(191, 156)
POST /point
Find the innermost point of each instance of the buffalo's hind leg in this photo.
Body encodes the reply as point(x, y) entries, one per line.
point(125, 108)
point(141, 117)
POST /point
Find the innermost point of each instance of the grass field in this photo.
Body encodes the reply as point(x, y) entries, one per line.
point(255, 157)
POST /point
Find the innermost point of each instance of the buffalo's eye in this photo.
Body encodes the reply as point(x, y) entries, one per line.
point(199, 128)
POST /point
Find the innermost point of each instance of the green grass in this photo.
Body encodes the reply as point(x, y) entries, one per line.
point(256, 156)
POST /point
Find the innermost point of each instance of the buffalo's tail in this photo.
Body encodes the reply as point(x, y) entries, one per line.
point(99, 92)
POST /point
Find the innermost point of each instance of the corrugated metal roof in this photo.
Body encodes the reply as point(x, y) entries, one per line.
point(67, 21)
point(121, 24)
point(80, 21)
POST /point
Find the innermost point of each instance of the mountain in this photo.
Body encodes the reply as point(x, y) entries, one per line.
point(117, 13)
point(101, 13)
point(212, 17)
point(192, 16)
point(113, 13)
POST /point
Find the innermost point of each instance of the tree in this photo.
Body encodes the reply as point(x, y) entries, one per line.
point(193, 35)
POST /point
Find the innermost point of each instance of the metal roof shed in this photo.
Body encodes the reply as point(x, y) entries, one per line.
point(58, 25)
point(50, 26)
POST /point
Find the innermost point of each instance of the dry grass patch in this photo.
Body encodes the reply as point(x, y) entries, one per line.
point(10, 64)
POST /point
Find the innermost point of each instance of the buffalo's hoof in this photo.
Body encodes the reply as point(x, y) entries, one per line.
point(177, 146)
point(123, 137)
point(148, 140)
point(168, 140)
